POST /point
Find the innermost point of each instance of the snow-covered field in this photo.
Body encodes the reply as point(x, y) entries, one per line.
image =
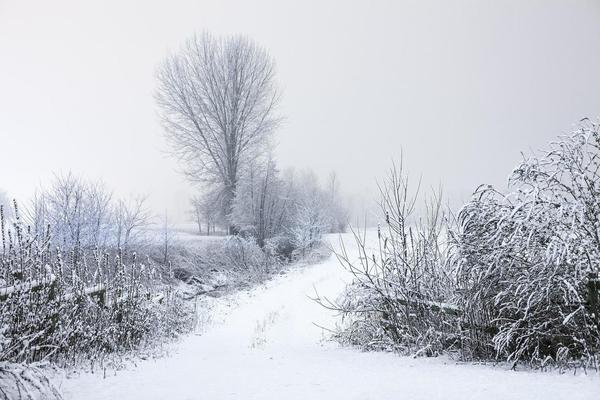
point(182, 233)
point(265, 344)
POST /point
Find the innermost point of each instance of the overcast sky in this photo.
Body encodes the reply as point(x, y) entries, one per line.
point(461, 87)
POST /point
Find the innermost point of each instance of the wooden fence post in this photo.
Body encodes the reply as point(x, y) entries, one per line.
point(593, 296)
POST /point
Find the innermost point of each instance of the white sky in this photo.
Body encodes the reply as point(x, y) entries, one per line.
point(461, 86)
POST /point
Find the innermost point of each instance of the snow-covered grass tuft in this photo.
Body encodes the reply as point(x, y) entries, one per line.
point(19, 382)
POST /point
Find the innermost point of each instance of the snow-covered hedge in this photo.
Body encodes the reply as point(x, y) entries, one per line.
point(513, 278)
point(527, 261)
point(77, 306)
point(240, 259)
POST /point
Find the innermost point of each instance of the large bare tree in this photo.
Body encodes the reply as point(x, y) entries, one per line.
point(217, 98)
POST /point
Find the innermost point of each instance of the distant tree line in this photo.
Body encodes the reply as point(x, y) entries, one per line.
point(84, 214)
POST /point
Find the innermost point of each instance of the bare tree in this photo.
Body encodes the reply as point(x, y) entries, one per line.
point(78, 212)
point(217, 99)
point(206, 208)
point(129, 218)
point(196, 212)
point(263, 202)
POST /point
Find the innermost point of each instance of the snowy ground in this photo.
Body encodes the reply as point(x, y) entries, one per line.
point(182, 233)
point(268, 347)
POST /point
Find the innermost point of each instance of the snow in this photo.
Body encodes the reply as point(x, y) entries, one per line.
point(25, 382)
point(181, 233)
point(33, 284)
point(268, 346)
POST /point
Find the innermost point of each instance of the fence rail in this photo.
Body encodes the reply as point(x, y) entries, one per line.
point(31, 286)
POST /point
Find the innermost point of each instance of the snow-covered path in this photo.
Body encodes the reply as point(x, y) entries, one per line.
point(269, 348)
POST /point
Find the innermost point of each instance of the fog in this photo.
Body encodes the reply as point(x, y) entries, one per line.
point(460, 89)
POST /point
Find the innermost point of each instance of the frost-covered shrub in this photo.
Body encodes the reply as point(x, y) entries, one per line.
point(280, 247)
point(243, 253)
point(528, 261)
point(310, 223)
point(517, 281)
point(224, 263)
point(397, 300)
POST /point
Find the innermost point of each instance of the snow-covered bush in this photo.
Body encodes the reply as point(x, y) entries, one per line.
point(397, 300)
point(312, 215)
point(238, 260)
point(244, 254)
point(309, 225)
point(515, 278)
point(527, 262)
point(280, 248)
